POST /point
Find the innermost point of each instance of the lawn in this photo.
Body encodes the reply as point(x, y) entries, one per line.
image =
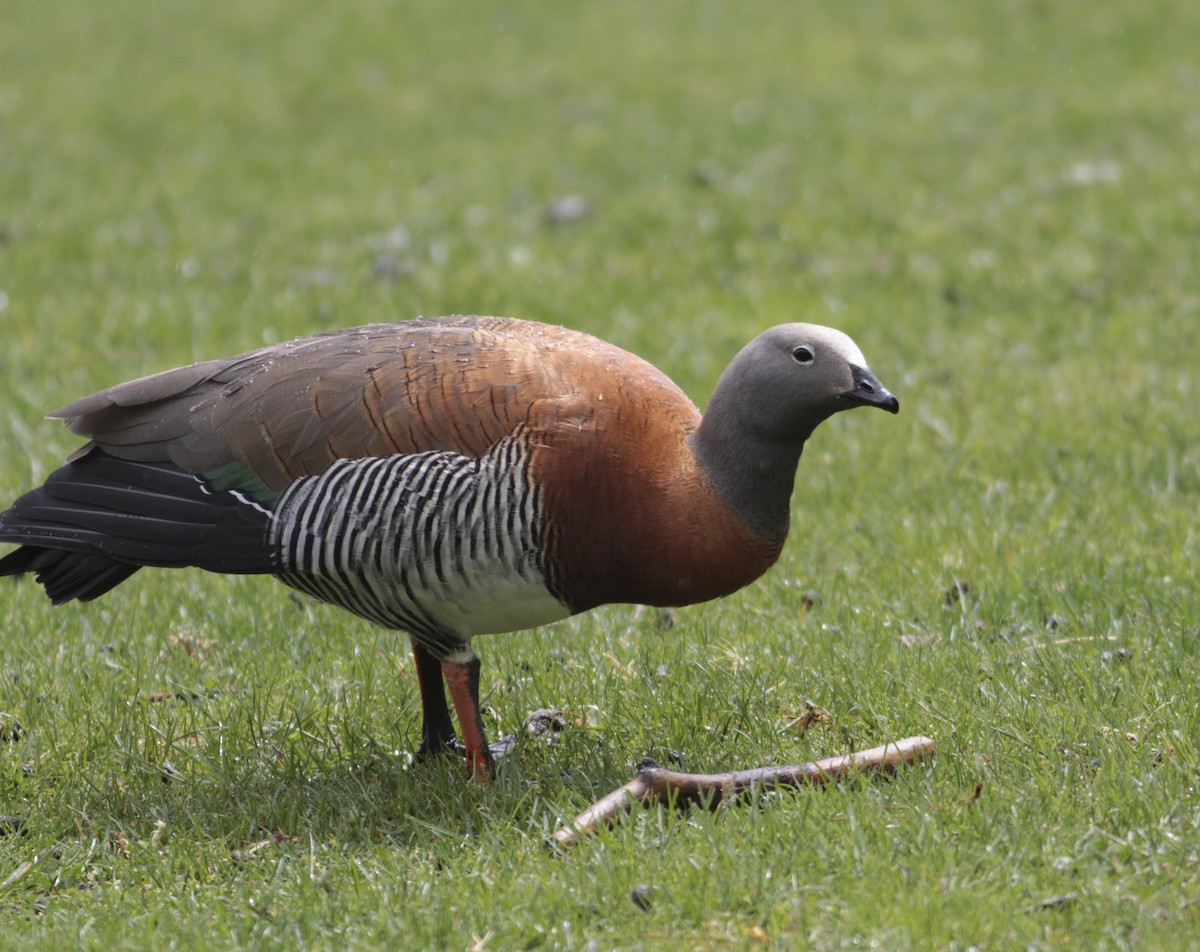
point(999, 202)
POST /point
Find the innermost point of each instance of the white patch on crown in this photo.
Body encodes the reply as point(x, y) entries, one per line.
point(843, 346)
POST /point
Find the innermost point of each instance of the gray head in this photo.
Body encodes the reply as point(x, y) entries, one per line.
point(790, 378)
point(772, 396)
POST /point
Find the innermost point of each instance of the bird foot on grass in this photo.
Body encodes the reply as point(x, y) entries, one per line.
point(497, 749)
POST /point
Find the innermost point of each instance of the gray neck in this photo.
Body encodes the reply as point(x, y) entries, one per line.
point(752, 472)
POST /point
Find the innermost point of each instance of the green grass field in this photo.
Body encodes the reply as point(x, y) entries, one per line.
point(1000, 202)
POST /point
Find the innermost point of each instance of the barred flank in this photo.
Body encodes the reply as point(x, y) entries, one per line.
point(391, 538)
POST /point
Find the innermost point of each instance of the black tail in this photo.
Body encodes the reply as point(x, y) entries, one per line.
point(99, 519)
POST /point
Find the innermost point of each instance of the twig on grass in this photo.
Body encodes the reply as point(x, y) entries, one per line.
point(657, 784)
point(1079, 640)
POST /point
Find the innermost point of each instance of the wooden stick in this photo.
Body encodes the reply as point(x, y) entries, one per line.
point(657, 784)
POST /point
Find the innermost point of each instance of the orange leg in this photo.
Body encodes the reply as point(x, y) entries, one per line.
point(462, 677)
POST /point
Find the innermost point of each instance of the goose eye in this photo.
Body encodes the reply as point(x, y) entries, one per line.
point(802, 355)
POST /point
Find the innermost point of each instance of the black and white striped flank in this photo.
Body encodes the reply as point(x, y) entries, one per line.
point(437, 544)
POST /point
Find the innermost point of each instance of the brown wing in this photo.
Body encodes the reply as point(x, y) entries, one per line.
point(269, 416)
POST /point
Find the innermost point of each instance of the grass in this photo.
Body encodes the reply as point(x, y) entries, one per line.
point(998, 202)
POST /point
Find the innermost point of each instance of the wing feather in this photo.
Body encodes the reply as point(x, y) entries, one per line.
point(261, 419)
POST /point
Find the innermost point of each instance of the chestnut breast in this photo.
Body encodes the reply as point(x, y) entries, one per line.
point(632, 517)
